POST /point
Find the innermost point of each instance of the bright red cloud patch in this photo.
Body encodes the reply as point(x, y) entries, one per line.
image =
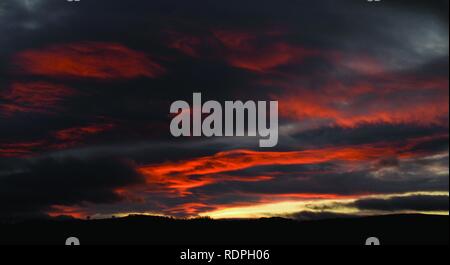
point(62, 210)
point(392, 100)
point(94, 60)
point(180, 177)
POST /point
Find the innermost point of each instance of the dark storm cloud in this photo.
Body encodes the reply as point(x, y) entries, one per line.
point(25, 19)
point(406, 203)
point(370, 133)
point(37, 186)
point(420, 203)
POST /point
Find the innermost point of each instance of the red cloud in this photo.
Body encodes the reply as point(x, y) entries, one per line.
point(62, 139)
point(73, 136)
point(243, 49)
point(33, 97)
point(175, 179)
point(63, 210)
point(390, 100)
point(180, 177)
point(269, 57)
point(235, 40)
point(24, 149)
point(190, 209)
point(186, 44)
point(93, 60)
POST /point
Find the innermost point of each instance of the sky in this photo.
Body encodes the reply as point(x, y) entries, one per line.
point(86, 89)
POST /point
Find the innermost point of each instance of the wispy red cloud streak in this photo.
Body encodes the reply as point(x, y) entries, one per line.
point(186, 44)
point(182, 176)
point(63, 139)
point(392, 100)
point(93, 60)
point(41, 97)
point(76, 135)
point(63, 210)
point(244, 49)
point(19, 149)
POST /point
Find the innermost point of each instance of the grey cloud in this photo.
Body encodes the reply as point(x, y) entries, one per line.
point(41, 184)
point(406, 203)
point(398, 177)
point(369, 133)
point(312, 216)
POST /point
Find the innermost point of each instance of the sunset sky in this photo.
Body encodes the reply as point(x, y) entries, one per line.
point(86, 88)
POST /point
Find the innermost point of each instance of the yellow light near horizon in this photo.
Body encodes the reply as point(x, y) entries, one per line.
point(287, 208)
point(275, 209)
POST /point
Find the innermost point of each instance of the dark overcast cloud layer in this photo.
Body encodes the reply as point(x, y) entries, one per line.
point(85, 90)
point(45, 183)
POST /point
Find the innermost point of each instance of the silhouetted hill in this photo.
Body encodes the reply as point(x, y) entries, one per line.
point(393, 229)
